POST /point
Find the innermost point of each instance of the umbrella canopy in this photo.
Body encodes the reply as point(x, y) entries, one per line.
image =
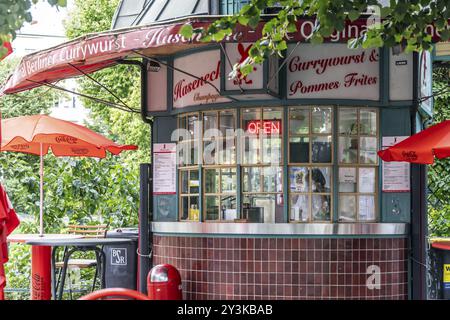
point(38, 134)
point(421, 147)
point(28, 134)
point(8, 222)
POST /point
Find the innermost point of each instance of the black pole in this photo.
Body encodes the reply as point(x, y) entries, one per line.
point(419, 226)
point(144, 230)
point(145, 190)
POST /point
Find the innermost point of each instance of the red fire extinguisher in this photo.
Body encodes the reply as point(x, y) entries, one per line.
point(164, 283)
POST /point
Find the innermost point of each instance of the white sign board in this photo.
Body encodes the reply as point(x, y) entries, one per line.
point(332, 71)
point(238, 53)
point(204, 87)
point(425, 81)
point(401, 77)
point(164, 168)
point(395, 175)
point(157, 90)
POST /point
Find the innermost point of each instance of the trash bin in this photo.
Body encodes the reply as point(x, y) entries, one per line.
point(442, 250)
point(121, 260)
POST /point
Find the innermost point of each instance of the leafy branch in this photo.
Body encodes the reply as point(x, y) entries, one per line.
point(402, 23)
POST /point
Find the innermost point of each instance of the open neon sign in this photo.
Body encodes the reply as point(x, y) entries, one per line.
point(265, 126)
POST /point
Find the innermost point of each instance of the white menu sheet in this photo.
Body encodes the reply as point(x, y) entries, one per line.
point(164, 168)
point(395, 175)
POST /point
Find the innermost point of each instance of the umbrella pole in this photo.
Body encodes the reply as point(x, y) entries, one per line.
point(41, 205)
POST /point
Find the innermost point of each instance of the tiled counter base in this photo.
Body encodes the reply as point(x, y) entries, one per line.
point(286, 268)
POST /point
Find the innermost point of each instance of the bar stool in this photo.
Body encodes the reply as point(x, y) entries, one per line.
point(67, 264)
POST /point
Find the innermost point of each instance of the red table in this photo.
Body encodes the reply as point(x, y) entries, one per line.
point(41, 274)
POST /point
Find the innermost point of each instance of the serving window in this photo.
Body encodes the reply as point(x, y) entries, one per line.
point(358, 164)
point(220, 194)
point(189, 194)
point(235, 170)
point(262, 173)
point(310, 163)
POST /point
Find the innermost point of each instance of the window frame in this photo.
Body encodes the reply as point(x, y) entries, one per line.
point(188, 194)
point(220, 194)
point(311, 165)
point(358, 165)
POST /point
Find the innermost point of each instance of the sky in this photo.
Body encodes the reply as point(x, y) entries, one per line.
point(46, 29)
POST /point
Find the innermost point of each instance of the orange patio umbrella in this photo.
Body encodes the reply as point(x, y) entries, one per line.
point(421, 147)
point(38, 134)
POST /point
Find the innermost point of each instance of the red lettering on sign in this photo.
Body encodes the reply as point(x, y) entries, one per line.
point(266, 126)
point(182, 88)
point(321, 65)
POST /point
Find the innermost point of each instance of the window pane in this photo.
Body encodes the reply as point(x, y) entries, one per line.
point(366, 208)
point(193, 124)
point(209, 121)
point(299, 150)
point(272, 114)
point(299, 179)
point(366, 180)
point(194, 152)
point(299, 207)
point(271, 150)
point(184, 181)
point(227, 151)
point(298, 121)
point(368, 119)
point(348, 119)
point(347, 179)
point(228, 180)
point(184, 208)
point(210, 149)
point(193, 181)
point(321, 120)
point(251, 150)
point(228, 208)
point(272, 177)
point(193, 208)
point(183, 153)
point(252, 181)
point(347, 208)
point(212, 181)
point(262, 207)
point(227, 121)
point(212, 208)
point(321, 149)
point(321, 207)
point(368, 150)
point(248, 117)
point(348, 150)
point(321, 180)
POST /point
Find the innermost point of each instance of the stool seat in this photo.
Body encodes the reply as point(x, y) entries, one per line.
point(78, 263)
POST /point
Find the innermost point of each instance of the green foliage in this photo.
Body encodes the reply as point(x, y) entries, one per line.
point(124, 80)
point(90, 16)
point(78, 190)
point(439, 221)
point(404, 23)
point(439, 172)
point(13, 15)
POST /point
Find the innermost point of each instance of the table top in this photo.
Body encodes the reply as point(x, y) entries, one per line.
point(79, 242)
point(439, 239)
point(22, 238)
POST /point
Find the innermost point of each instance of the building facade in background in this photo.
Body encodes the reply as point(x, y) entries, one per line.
point(42, 33)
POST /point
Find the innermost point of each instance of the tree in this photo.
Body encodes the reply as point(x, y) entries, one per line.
point(13, 15)
point(402, 23)
point(124, 80)
point(439, 172)
point(77, 190)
